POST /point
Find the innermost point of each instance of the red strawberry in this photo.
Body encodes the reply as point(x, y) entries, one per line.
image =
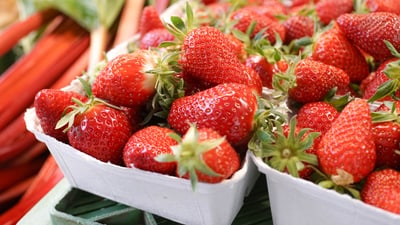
point(384, 82)
point(265, 69)
point(154, 38)
point(333, 48)
point(386, 130)
point(318, 116)
point(144, 145)
point(245, 16)
point(368, 32)
point(98, 129)
point(382, 189)
point(346, 152)
point(328, 10)
point(392, 6)
point(270, 8)
point(298, 26)
point(149, 20)
point(315, 79)
point(203, 155)
point(227, 108)
point(207, 56)
point(50, 105)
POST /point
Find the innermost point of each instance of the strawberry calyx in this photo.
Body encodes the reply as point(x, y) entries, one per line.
point(188, 154)
point(287, 153)
point(341, 183)
point(80, 107)
point(386, 116)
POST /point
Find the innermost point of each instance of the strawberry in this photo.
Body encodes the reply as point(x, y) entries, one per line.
point(207, 56)
point(265, 69)
point(154, 38)
point(333, 48)
point(328, 10)
point(50, 105)
point(384, 84)
point(245, 16)
point(124, 81)
point(318, 116)
point(314, 79)
point(149, 20)
point(97, 128)
point(369, 31)
point(203, 155)
point(386, 130)
point(346, 151)
point(298, 26)
point(392, 6)
point(147, 143)
point(227, 108)
point(382, 189)
point(134, 79)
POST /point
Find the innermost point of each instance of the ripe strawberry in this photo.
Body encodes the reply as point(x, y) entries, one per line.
point(384, 83)
point(386, 130)
point(346, 152)
point(245, 16)
point(392, 6)
point(149, 20)
point(147, 143)
point(368, 32)
point(227, 108)
point(207, 56)
point(315, 79)
point(98, 129)
point(333, 48)
point(382, 189)
point(298, 26)
point(203, 155)
point(270, 8)
point(154, 38)
point(50, 105)
point(133, 79)
point(265, 69)
point(328, 10)
point(318, 116)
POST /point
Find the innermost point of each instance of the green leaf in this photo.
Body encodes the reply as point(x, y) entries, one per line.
point(88, 13)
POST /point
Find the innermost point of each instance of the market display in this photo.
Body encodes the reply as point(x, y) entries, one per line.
point(209, 95)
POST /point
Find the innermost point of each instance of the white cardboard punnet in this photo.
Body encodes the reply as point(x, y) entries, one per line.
point(166, 196)
point(297, 201)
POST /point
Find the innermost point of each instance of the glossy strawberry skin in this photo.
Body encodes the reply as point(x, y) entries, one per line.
point(298, 26)
point(377, 80)
point(387, 139)
point(228, 108)
point(348, 145)
point(382, 189)
point(333, 48)
point(207, 56)
point(147, 143)
point(315, 79)
point(101, 132)
point(328, 10)
point(123, 80)
point(368, 31)
point(50, 105)
point(223, 159)
point(318, 116)
point(392, 6)
point(263, 68)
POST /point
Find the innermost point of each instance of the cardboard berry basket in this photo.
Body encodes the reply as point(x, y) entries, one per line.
point(297, 201)
point(167, 196)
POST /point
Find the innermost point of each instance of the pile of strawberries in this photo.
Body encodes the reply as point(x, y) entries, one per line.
point(309, 86)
